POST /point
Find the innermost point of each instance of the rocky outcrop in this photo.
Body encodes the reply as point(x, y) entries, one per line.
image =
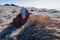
point(40, 26)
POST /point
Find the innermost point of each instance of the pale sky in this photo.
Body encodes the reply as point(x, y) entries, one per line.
point(34, 3)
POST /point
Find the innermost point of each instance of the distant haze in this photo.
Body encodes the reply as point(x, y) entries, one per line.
point(55, 4)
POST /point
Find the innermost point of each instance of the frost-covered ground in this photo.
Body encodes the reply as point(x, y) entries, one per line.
point(7, 13)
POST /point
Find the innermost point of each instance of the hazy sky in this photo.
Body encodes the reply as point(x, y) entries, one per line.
point(34, 3)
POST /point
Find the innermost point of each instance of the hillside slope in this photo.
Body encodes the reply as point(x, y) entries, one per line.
point(40, 26)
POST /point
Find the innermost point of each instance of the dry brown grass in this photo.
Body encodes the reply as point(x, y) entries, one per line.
point(45, 20)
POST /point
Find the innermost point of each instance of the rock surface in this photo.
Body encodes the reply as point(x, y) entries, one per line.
point(33, 30)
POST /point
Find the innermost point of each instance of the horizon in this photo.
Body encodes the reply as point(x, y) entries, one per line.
point(49, 4)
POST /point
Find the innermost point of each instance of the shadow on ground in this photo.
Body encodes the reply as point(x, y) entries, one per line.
point(8, 31)
point(36, 32)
